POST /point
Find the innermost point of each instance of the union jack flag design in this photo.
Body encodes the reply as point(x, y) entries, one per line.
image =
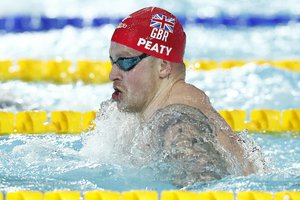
point(162, 22)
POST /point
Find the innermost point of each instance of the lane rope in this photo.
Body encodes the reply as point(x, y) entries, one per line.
point(90, 71)
point(72, 122)
point(150, 195)
point(23, 23)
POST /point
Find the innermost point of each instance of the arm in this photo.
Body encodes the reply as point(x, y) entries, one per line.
point(188, 151)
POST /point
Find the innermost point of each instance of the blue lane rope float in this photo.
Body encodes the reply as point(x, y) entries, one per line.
point(72, 122)
point(23, 23)
point(150, 195)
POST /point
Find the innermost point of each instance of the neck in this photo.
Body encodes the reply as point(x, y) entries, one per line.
point(161, 97)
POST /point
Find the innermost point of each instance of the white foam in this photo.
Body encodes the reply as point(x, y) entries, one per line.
point(113, 139)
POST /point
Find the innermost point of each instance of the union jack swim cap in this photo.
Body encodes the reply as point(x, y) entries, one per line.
point(153, 31)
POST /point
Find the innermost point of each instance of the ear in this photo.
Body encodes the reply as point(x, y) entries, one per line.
point(165, 69)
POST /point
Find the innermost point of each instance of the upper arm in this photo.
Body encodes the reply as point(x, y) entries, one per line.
point(181, 141)
point(188, 148)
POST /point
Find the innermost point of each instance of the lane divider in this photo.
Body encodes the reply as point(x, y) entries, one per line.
point(72, 122)
point(18, 24)
point(263, 120)
point(39, 122)
point(57, 71)
point(151, 195)
point(293, 65)
point(89, 71)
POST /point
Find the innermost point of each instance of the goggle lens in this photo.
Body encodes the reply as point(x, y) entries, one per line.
point(128, 63)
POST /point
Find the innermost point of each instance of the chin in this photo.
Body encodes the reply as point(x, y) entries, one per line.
point(123, 107)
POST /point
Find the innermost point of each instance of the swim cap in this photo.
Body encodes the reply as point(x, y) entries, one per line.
point(153, 31)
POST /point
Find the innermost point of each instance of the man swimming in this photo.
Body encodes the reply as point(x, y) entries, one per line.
point(148, 75)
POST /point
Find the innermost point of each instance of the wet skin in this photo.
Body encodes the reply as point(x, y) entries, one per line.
point(153, 85)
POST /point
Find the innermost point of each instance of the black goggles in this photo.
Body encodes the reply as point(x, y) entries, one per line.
point(128, 63)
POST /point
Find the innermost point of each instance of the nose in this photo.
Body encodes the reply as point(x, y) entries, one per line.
point(115, 73)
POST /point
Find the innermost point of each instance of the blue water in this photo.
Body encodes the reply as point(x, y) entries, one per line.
point(50, 162)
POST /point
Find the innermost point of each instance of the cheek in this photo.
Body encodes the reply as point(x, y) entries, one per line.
point(139, 85)
point(142, 86)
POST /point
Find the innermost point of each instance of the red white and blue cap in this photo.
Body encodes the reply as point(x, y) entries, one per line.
point(154, 31)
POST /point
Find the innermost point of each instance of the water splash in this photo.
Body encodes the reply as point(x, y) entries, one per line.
point(113, 139)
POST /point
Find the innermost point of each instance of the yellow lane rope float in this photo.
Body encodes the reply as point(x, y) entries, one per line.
point(151, 195)
point(72, 122)
point(89, 71)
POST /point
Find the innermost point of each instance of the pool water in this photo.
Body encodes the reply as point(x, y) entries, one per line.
point(73, 162)
point(51, 162)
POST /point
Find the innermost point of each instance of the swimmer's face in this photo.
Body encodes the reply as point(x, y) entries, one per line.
point(134, 89)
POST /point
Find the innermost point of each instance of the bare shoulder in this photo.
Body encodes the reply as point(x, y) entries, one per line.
point(182, 114)
point(189, 88)
point(187, 144)
point(184, 93)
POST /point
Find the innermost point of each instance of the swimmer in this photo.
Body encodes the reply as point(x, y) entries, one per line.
point(148, 75)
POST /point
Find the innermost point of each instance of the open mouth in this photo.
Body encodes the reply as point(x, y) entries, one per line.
point(117, 94)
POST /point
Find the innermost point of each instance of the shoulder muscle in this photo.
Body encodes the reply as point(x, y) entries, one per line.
point(188, 144)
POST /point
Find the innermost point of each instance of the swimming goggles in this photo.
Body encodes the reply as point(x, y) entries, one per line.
point(128, 63)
